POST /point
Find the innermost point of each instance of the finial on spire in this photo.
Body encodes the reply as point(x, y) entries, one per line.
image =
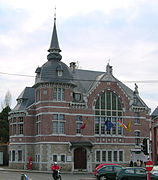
point(109, 61)
point(55, 13)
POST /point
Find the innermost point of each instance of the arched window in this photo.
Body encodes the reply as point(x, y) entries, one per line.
point(108, 108)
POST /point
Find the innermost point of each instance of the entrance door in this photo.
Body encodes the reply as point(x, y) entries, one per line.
point(80, 158)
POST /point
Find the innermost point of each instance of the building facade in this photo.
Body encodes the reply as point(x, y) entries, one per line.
point(154, 135)
point(71, 116)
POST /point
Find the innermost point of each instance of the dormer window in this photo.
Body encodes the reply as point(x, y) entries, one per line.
point(77, 97)
point(19, 101)
point(60, 73)
point(59, 70)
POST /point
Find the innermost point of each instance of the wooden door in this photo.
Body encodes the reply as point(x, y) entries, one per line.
point(80, 158)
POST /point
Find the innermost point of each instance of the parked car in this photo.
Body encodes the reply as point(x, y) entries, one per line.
point(155, 170)
point(108, 171)
point(101, 165)
point(135, 174)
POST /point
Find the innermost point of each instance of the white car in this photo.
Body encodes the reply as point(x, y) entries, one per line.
point(155, 170)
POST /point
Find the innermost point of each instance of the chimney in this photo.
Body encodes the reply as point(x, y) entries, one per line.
point(72, 66)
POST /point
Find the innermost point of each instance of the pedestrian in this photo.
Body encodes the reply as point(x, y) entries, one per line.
point(131, 163)
point(138, 163)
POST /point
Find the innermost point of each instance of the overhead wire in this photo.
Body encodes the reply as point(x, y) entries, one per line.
point(88, 80)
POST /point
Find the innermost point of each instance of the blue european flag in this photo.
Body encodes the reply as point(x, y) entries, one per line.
point(109, 125)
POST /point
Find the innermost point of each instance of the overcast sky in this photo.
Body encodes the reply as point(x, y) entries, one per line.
point(89, 32)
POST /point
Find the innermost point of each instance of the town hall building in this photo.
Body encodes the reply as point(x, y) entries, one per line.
point(78, 118)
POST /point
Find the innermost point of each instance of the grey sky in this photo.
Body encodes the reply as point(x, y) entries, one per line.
point(90, 32)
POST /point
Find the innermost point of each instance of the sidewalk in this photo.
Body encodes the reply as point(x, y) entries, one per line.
point(6, 168)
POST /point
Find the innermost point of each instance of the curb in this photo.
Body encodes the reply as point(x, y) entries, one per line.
point(44, 172)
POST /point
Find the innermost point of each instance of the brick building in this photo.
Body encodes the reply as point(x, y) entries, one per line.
point(154, 130)
point(46, 122)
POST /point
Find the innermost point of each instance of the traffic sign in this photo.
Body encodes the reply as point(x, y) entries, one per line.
point(149, 165)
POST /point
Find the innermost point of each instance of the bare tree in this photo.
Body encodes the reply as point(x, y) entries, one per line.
point(7, 100)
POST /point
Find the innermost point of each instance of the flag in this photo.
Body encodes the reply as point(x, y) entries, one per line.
point(109, 125)
point(83, 124)
point(124, 126)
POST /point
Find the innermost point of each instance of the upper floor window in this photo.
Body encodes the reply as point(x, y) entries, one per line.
point(20, 125)
point(59, 70)
point(78, 124)
point(77, 97)
point(137, 120)
point(58, 123)
point(137, 138)
point(38, 125)
point(108, 108)
point(59, 94)
point(38, 95)
point(60, 73)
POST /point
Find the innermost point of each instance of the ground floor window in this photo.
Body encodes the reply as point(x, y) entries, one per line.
point(55, 158)
point(37, 158)
point(19, 155)
point(103, 156)
point(98, 156)
point(13, 155)
point(63, 158)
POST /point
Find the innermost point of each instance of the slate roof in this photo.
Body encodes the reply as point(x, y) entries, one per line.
point(87, 80)
point(155, 113)
point(49, 73)
point(25, 99)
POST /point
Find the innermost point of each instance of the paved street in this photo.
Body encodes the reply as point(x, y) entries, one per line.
point(8, 175)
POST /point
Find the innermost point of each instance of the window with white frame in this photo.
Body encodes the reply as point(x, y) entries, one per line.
point(20, 155)
point(37, 95)
point(13, 155)
point(14, 125)
point(115, 156)
point(62, 157)
point(20, 125)
point(10, 154)
point(37, 158)
point(137, 120)
point(55, 158)
point(98, 156)
point(59, 94)
point(38, 125)
point(14, 129)
point(110, 156)
point(78, 124)
point(58, 124)
point(60, 73)
point(108, 107)
point(137, 137)
point(120, 156)
point(103, 156)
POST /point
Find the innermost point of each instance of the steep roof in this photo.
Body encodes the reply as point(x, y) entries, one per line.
point(25, 99)
point(155, 113)
point(87, 80)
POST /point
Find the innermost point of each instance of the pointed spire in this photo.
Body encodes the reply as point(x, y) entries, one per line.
point(54, 45)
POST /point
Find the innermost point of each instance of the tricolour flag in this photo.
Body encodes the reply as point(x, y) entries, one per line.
point(124, 126)
point(83, 124)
